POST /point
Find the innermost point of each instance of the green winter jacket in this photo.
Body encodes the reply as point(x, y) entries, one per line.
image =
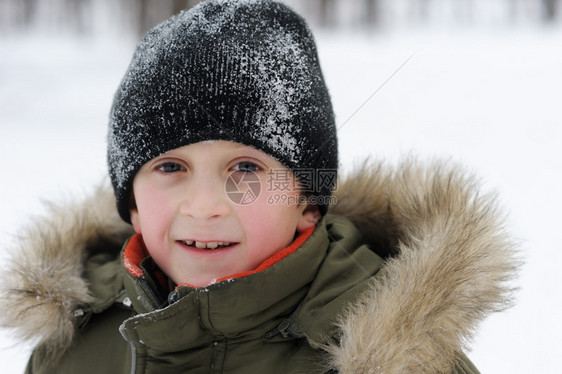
point(271, 321)
point(334, 305)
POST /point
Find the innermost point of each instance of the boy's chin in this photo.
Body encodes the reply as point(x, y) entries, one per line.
point(201, 283)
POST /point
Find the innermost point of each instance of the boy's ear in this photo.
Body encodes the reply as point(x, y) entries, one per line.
point(310, 217)
point(134, 213)
point(135, 219)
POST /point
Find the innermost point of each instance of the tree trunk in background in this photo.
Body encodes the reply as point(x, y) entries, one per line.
point(550, 9)
point(142, 26)
point(28, 12)
point(326, 13)
point(179, 5)
point(78, 15)
point(372, 12)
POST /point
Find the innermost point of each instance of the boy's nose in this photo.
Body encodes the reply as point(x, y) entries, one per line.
point(205, 201)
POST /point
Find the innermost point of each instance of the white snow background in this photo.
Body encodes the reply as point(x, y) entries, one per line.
point(489, 99)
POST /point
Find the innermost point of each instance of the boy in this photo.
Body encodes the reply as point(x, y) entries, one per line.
point(222, 153)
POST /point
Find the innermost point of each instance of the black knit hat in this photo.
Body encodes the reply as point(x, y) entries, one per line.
point(246, 71)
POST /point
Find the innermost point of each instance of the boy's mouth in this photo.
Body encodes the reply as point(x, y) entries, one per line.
point(207, 245)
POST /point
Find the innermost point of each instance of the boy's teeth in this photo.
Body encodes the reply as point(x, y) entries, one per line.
point(209, 245)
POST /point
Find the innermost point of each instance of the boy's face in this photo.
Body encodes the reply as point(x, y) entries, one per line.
point(182, 204)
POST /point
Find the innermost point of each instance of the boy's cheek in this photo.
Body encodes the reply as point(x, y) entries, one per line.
point(151, 207)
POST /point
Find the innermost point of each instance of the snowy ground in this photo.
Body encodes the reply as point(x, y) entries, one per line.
point(486, 99)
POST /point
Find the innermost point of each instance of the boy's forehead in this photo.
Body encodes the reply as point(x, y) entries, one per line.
point(224, 145)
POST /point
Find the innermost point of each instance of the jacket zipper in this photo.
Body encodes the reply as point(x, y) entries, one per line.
point(133, 348)
point(153, 295)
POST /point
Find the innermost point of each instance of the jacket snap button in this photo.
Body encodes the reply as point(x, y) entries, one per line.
point(78, 313)
point(173, 297)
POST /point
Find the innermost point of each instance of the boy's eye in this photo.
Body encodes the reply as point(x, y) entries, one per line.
point(246, 167)
point(170, 167)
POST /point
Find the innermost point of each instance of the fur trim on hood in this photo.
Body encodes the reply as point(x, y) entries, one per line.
point(452, 267)
point(43, 287)
point(449, 263)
